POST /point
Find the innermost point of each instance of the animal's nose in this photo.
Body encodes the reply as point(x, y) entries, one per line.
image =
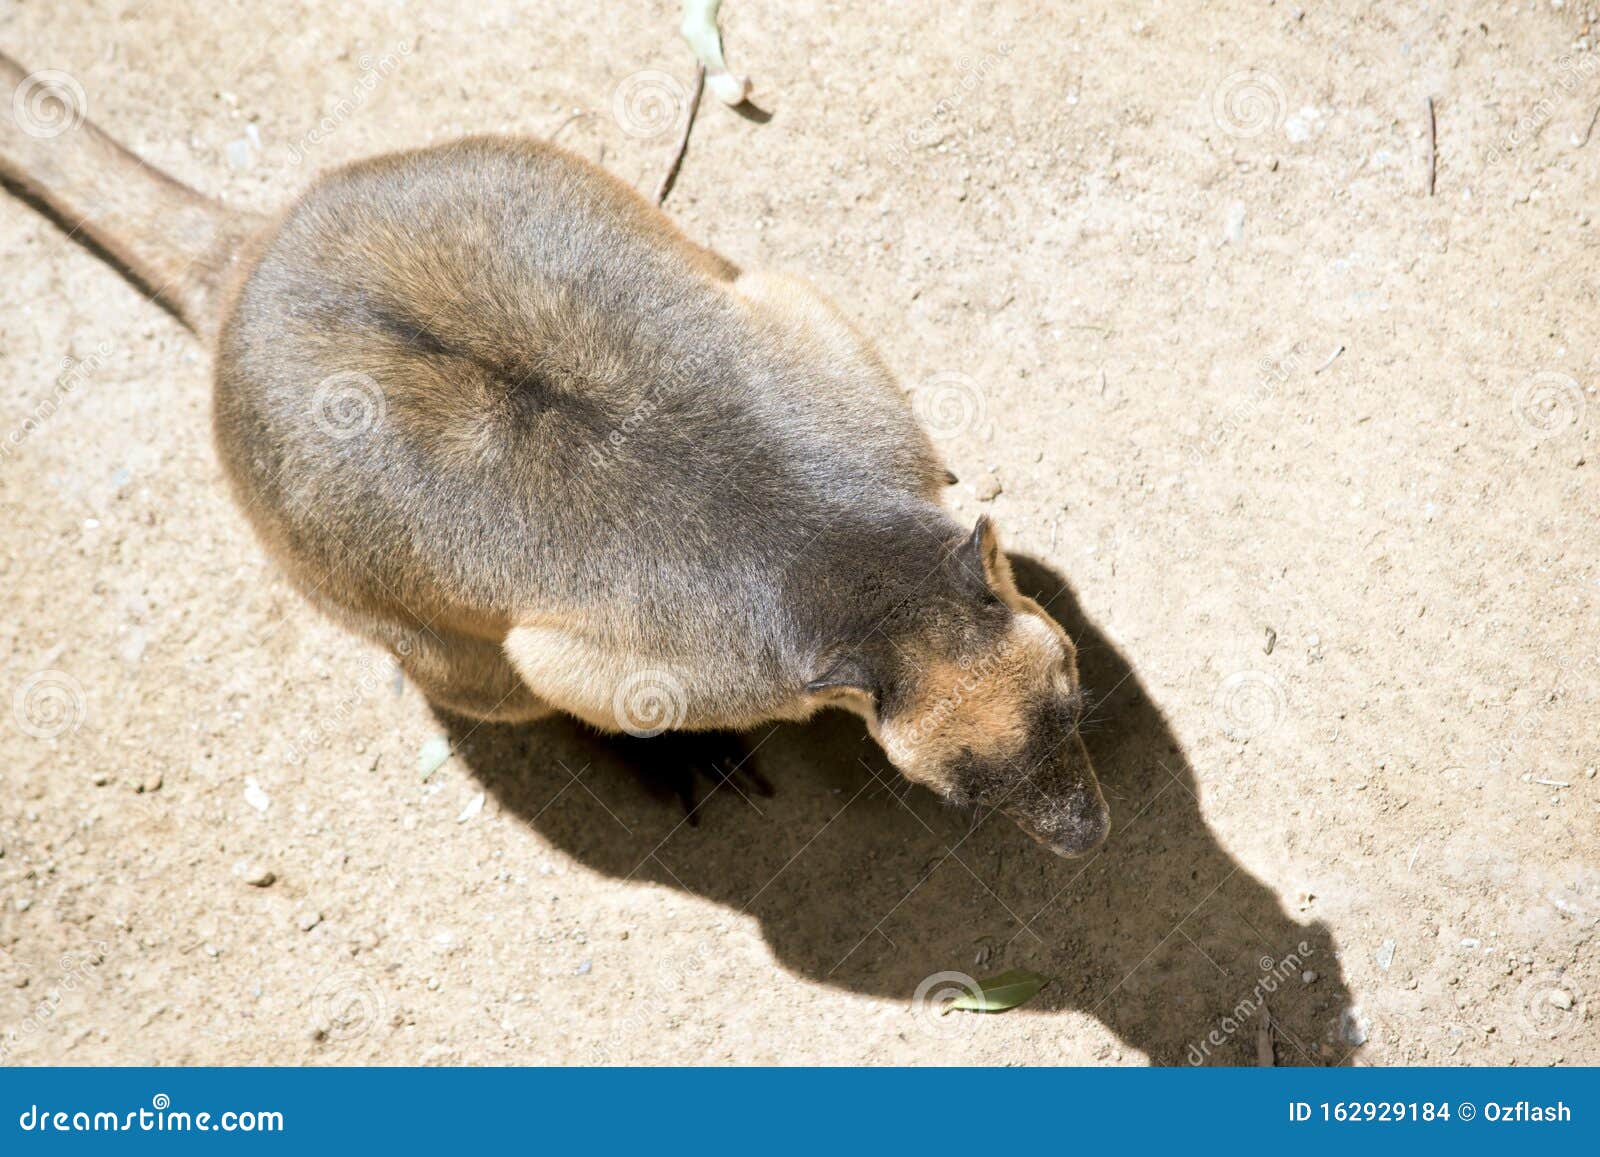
point(1070, 827)
point(1086, 825)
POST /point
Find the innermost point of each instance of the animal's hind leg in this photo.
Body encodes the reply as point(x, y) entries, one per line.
point(465, 675)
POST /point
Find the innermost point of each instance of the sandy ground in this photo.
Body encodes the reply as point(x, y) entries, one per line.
point(1340, 610)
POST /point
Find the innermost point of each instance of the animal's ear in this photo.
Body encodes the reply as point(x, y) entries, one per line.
point(842, 673)
point(980, 556)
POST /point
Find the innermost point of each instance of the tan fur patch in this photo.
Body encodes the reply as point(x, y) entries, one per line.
point(978, 703)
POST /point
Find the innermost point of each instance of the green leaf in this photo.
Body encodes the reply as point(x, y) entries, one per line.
point(999, 993)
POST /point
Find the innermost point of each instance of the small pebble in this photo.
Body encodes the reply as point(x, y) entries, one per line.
point(1560, 997)
point(1354, 1028)
point(1308, 977)
point(254, 796)
point(151, 782)
point(308, 920)
point(584, 968)
point(474, 806)
point(238, 154)
point(1233, 230)
point(988, 488)
point(254, 873)
point(101, 779)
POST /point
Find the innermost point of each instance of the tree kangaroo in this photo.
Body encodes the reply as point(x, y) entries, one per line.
point(490, 409)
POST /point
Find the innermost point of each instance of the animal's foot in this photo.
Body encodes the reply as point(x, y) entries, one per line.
point(679, 759)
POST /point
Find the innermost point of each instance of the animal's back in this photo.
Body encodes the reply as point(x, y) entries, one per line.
point(468, 379)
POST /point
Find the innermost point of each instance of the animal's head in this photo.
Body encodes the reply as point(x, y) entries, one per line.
point(975, 695)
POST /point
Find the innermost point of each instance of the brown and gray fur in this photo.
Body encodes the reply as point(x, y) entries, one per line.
point(492, 410)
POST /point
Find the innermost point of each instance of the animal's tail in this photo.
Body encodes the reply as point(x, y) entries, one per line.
point(172, 242)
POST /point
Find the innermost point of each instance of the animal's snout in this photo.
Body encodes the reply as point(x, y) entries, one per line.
point(1065, 811)
point(1071, 828)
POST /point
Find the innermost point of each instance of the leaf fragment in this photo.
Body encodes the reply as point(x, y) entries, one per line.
point(998, 993)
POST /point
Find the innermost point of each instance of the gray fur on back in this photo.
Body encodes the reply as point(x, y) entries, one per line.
point(572, 409)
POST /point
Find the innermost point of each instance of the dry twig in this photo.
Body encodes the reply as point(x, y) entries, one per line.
point(683, 141)
point(1433, 148)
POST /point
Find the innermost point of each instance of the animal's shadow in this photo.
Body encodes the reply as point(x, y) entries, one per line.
point(858, 883)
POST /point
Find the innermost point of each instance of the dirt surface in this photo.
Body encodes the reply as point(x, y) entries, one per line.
point(1315, 450)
